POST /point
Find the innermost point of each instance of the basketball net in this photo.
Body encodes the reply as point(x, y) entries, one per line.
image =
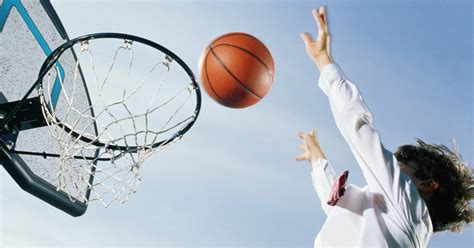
point(136, 109)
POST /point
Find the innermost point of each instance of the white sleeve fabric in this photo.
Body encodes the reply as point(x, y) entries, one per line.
point(354, 121)
point(323, 177)
point(406, 212)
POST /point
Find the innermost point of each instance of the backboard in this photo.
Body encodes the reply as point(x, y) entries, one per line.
point(29, 32)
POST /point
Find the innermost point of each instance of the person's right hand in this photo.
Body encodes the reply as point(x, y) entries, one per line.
point(318, 50)
point(312, 149)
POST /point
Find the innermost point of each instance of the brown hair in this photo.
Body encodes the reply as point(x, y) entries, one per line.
point(449, 207)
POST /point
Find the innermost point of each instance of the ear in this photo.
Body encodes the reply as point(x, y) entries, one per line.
point(429, 185)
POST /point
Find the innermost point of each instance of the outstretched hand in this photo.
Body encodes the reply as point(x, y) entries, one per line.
point(312, 149)
point(318, 50)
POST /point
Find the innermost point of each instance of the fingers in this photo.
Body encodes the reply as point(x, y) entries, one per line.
point(300, 158)
point(318, 19)
point(313, 132)
point(303, 147)
point(301, 134)
point(304, 136)
point(321, 20)
point(325, 18)
point(307, 39)
point(310, 147)
point(322, 13)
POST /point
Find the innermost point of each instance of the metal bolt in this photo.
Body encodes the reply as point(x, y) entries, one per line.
point(10, 144)
point(127, 44)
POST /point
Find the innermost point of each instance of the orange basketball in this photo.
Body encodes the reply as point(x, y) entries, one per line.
point(237, 70)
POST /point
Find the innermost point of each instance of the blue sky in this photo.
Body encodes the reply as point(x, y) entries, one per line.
point(233, 180)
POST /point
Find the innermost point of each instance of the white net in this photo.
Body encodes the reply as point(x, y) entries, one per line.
point(140, 103)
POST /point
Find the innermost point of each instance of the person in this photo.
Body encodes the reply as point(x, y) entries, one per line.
point(418, 190)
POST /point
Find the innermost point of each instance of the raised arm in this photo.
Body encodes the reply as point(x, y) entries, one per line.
point(322, 173)
point(352, 116)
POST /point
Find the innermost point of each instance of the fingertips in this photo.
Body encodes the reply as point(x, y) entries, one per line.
point(300, 158)
point(300, 134)
point(306, 38)
point(324, 14)
point(316, 15)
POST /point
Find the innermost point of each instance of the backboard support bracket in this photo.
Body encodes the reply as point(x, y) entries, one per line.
point(33, 184)
point(28, 116)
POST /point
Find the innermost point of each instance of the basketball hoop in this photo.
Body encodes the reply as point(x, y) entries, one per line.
point(133, 112)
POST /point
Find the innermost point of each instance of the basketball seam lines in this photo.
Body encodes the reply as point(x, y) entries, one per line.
point(233, 76)
point(249, 52)
point(240, 34)
point(209, 81)
point(231, 34)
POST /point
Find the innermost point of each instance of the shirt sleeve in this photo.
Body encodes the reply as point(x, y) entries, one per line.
point(354, 121)
point(379, 166)
point(323, 177)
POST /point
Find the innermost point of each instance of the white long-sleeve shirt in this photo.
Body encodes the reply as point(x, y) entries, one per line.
point(388, 211)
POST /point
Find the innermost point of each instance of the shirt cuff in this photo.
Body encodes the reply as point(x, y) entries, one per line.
point(329, 74)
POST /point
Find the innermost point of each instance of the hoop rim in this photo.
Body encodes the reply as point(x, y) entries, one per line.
point(56, 54)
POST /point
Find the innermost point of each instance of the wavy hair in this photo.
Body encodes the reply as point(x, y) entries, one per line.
point(450, 206)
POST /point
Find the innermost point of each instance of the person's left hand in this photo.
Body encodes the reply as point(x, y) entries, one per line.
point(312, 149)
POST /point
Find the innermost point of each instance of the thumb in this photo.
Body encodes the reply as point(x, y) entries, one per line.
point(300, 158)
point(307, 39)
